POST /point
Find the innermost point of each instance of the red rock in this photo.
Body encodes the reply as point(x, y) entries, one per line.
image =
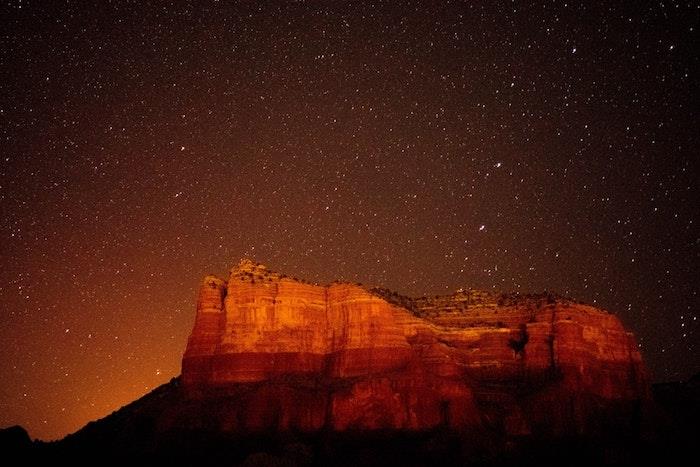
point(307, 357)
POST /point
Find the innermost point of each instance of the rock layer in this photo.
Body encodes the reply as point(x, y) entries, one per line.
point(288, 355)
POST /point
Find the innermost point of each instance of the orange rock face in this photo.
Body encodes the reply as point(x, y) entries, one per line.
point(305, 357)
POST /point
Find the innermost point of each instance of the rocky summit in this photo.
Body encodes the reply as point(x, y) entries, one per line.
point(289, 355)
point(278, 371)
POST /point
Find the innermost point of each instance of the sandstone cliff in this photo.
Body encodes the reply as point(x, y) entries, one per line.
point(287, 355)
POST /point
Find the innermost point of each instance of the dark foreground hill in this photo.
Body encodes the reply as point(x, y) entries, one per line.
point(129, 436)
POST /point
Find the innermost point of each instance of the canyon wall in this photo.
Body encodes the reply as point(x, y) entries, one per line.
point(288, 355)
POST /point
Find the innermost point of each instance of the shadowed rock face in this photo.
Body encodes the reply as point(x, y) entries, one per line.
point(288, 355)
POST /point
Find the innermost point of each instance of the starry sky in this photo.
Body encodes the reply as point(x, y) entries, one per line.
point(420, 146)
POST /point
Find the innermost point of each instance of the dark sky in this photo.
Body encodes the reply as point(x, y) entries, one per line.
point(423, 148)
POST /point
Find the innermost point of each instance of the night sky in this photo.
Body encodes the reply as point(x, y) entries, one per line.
point(422, 148)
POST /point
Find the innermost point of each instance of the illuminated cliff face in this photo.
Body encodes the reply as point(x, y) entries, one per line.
point(302, 356)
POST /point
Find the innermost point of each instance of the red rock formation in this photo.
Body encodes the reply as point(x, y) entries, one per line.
point(306, 357)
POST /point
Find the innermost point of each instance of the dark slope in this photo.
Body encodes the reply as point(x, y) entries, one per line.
point(165, 428)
